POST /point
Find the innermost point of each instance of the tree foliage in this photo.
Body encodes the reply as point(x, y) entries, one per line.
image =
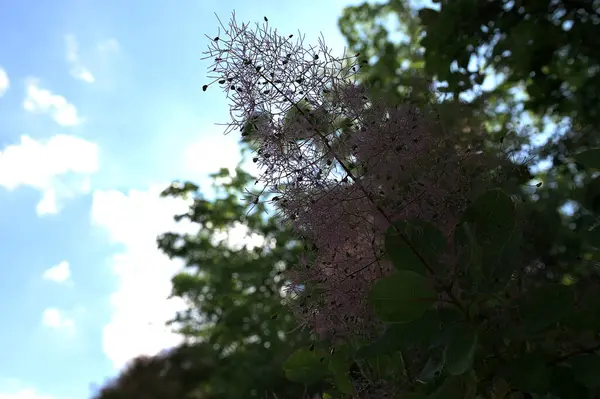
point(167, 375)
point(235, 292)
point(237, 330)
point(548, 47)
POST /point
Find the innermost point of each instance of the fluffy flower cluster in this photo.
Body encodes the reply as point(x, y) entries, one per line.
point(340, 164)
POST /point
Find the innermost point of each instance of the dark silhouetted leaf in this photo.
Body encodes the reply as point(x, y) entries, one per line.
point(530, 374)
point(460, 351)
point(425, 238)
point(590, 159)
point(401, 297)
point(586, 370)
point(305, 366)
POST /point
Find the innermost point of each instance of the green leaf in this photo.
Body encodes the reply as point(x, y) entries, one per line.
point(586, 370)
point(491, 219)
point(401, 297)
point(460, 351)
point(339, 366)
point(427, 15)
point(594, 237)
point(398, 336)
point(453, 387)
point(425, 238)
point(433, 368)
point(546, 305)
point(469, 252)
point(564, 383)
point(531, 374)
point(488, 238)
point(592, 195)
point(590, 159)
point(305, 366)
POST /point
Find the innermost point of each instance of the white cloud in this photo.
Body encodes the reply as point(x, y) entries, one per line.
point(14, 388)
point(59, 167)
point(78, 71)
point(25, 393)
point(4, 82)
point(47, 205)
point(140, 305)
point(59, 273)
point(54, 318)
point(108, 46)
point(212, 152)
point(44, 101)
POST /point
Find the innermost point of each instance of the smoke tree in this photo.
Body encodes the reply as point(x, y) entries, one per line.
point(417, 277)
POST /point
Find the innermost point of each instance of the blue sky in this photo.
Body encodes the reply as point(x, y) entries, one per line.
point(100, 108)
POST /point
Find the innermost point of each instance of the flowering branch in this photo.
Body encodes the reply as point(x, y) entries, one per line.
point(342, 165)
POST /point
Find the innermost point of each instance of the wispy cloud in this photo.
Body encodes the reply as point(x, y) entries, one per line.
point(59, 167)
point(59, 273)
point(108, 46)
point(55, 319)
point(4, 82)
point(78, 70)
point(40, 100)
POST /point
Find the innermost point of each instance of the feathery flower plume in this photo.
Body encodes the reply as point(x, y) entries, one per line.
point(340, 164)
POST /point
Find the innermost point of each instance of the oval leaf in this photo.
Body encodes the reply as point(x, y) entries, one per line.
point(339, 367)
point(398, 336)
point(530, 374)
point(432, 369)
point(586, 370)
point(414, 395)
point(460, 351)
point(452, 388)
point(401, 297)
point(427, 15)
point(592, 195)
point(491, 219)
point(425, 238)
point(468, 252)
point(590, 159)
point(305, 366)
point(594, 237)
point(564, 383)
point(546, 305)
